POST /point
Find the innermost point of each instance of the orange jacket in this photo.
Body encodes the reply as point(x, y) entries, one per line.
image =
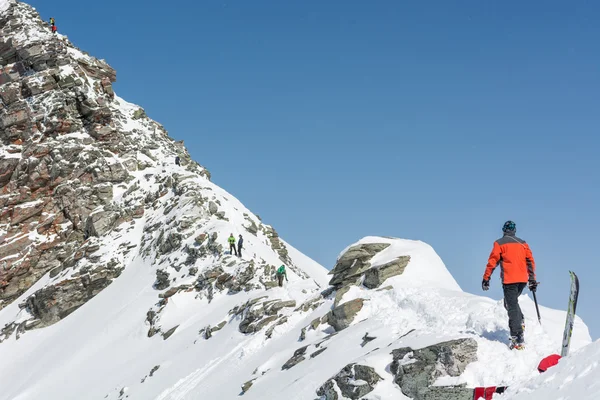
point(515, 259)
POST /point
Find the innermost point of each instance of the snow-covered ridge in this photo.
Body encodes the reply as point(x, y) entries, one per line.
point(426, 268)
point(117, 281)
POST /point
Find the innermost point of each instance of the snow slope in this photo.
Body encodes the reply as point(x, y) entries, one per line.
point(576, 377)
point(104, 349)
point(107, 338)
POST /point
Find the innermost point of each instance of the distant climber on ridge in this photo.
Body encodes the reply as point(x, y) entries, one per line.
point(281, 273)
point(240, 244)
point(177, 161)
point(52, 21)
point(517, 270)
point(231, 241)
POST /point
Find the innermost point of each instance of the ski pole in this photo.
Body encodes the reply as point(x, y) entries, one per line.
point(536, 307)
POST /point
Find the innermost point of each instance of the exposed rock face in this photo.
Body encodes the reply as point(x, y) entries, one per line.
point(415, 370)
point(355, 261)
point(447, 393)
point(162, 280)
point(342, 316)
point(297, 358)
point(53, 189)
point(170, 332)
point(376, 276)
point(246, 386)
point(257, 315)
point(354, 382)
point(208, 331)
point(53, 303)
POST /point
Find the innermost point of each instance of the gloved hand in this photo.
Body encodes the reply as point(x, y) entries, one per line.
point(485, 284)
point(532, 285)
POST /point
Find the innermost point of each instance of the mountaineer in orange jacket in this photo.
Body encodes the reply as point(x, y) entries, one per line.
point(517, 268)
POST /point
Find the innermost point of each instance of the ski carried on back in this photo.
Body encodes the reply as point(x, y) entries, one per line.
point(570, 314)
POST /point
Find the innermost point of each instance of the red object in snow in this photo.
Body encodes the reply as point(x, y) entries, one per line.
point(54, 28)
point(487, 392)
point(548, 362)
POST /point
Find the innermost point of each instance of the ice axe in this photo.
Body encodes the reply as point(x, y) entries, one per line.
point(537, 309)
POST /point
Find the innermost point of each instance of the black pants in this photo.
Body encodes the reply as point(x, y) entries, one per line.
point(512, 291)
point(232, 249)
point(280, 279)
point(239, 251)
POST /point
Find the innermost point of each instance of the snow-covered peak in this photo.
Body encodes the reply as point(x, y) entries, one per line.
point(425, 267)
point(117, 278)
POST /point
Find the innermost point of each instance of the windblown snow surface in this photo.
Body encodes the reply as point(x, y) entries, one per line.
point(576, 377)
point(102, 349)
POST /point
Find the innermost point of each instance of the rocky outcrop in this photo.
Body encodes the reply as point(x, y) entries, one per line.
point(257, 314)
point(162, 280)
point(354, 262)
point(207, 332)
point(447, 393)
point(354, 381)
point(342, 316)
point(53, 303)
point(53, 189)
point(246, 386)
point(415, 370)
point(297, 358)
point(354, 267)
point(376, 276)
point(170, 332)
point(276, 243)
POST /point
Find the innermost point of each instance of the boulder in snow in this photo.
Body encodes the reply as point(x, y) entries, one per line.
point(415, 370)
point(376, 276)
point(342, 316)
point(354, 381)
point(355, 261)
point(297, 358)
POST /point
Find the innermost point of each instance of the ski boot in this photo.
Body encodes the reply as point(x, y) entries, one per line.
point(517, 342)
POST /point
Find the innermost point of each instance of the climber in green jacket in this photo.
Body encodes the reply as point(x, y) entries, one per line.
point(281, 273)
point(231, 241)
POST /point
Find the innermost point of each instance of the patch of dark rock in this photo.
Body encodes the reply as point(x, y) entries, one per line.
point(342, 316)
point(416, 370)
point(376, 276)
point(246, 386)
point(297, 358)
point(162, 280)
point(355, 261)
point(354, 381)
point(170, 332)
point(153, 370)
point(366, 339)
point(316, 353)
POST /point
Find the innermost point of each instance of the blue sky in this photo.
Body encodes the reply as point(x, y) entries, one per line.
point(334, 120)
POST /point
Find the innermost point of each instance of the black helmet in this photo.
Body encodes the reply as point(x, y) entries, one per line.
point(509, 226)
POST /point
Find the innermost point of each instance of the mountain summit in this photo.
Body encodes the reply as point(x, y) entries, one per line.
point(117, 279)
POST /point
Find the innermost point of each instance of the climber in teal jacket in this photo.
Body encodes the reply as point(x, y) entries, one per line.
point(281, 273)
